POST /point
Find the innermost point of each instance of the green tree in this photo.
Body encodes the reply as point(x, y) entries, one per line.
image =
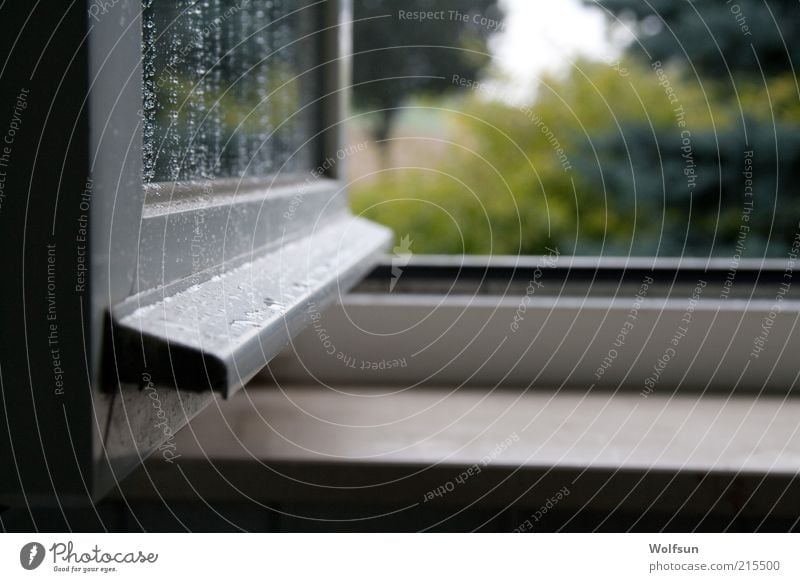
point(740, 55)
point(398, 55)
point(713, 37)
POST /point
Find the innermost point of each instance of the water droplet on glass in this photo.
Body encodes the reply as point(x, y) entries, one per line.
point(225, 87)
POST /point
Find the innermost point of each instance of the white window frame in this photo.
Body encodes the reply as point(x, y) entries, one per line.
point(573, 323)
point(129, 383)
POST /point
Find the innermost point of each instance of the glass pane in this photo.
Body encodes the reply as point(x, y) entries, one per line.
point(229, 87)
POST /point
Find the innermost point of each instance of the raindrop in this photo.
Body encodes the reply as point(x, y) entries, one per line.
point(225, 89)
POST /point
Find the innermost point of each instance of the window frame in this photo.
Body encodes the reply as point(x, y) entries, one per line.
point(558, 322)
point(119, 409)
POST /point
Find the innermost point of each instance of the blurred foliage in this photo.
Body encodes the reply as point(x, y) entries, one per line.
point(397, 56)
point(740, 53)
point(712, 38)
point(623, 158)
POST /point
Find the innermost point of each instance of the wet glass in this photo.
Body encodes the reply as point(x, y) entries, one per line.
point(229, 88)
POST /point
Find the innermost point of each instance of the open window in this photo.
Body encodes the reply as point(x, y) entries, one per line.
point(178, 202)
point(173, 209)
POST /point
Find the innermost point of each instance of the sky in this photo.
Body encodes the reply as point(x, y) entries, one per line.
point(545, 36)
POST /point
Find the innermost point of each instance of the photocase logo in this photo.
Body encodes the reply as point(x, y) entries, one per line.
point(401, 258)
point(31, 555)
